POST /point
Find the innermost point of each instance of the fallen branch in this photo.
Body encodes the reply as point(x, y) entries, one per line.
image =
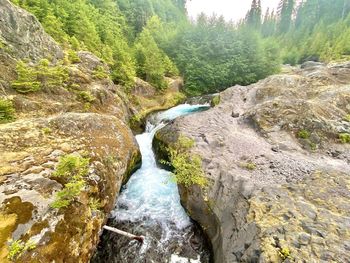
point(123, 233)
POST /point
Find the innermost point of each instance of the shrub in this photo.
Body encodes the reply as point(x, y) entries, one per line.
point(216, 100)
point(344, 137)
point(7, 111)
point(94, 204)
point(26, 79)
point(304, 134)
point(100, 73)
point(72, 166)
point(73, 56)
point(31, 79)
point(347, 118)
point(18, 247)
point(86, 96)
point(70, 191)
point(187, 167)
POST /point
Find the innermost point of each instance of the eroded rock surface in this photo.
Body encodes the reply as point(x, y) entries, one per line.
point(86, 116)
point(279, 176)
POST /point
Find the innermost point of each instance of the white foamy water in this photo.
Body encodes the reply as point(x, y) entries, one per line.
point(151, 194)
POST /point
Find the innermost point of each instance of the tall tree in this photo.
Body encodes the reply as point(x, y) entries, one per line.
point(253, 17)
point(285, 12)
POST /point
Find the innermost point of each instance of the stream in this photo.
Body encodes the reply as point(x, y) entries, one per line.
point(149, 205)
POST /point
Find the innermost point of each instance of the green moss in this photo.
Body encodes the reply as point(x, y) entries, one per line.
point(249, 166)
point(304, 134)
point(216, 100)
point(187, 167)
point(284, 253)
point(46, 131)
point(100, 73)
point(86, 96)
point(344, 137)
point(7, 112)
point(94, 204)
point(347, 118)
point(18, 247)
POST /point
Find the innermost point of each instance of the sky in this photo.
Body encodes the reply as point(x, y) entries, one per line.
point(230, 9)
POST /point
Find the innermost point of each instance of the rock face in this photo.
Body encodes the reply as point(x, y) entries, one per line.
point(21, 33)
point(86, 116)
point(279, 177)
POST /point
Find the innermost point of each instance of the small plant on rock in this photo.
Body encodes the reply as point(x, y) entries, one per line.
point(284, 253)
point(100, 73)
point(187, 167)
point(347, 118)
point(46, 130)
point(70, 191)
point(26, 79)
point(7, 112)
point(344, 137)
point(18, 247)
point(304, 134)
point(216, 100)
point(94, 204)
point(71, 166)
point(86, 96)
point(74, 168)
point(73, 56)
point(249, 166)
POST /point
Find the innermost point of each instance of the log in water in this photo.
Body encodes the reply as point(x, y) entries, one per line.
point(149, 205)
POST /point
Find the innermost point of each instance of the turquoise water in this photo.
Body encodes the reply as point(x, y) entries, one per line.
point(149, 205)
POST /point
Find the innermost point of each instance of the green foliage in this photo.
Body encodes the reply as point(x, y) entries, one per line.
point(41, 76)
point(284, 253)
point(86, 96)
point(18, 247)
point(73, 56)
point(249, 166)
point(7, 112)
point(94, 204)
point(344, 137)
point(70, 191)
point(187, 167)
point(26, 79)
point(152, 63)
point(304, 134)
point(216, 100)
point(46, 130)
point(100, 73)
point(213, 55)
point(347, 118)
point(72, 166)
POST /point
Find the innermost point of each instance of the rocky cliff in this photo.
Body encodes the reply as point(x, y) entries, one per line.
point(65, 143)
point(277, 157)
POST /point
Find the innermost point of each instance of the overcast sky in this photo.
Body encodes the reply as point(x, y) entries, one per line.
point(230, 9)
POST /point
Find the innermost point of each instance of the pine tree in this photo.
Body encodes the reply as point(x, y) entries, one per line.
point(286, 8)
point(253, 17)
